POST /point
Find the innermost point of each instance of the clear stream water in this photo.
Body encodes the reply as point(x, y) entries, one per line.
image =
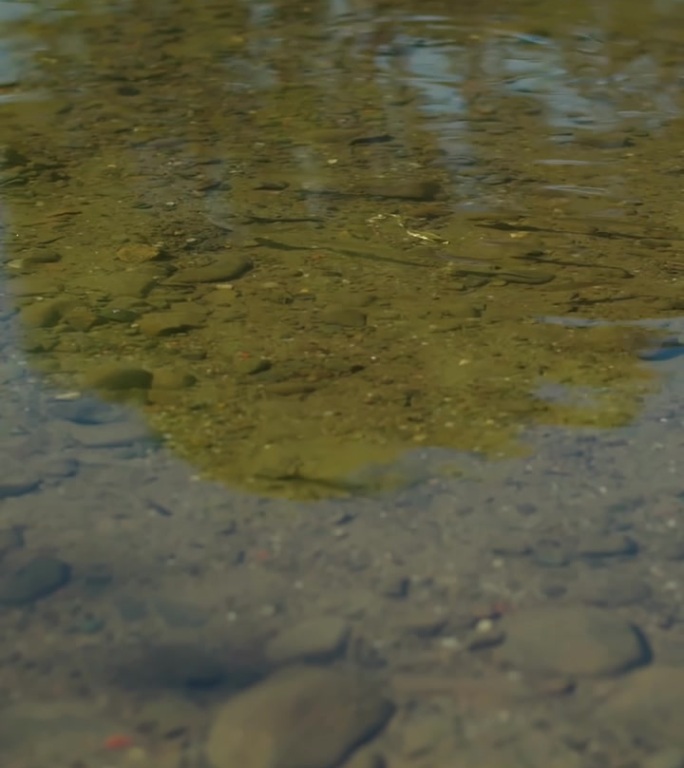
point(351, 329)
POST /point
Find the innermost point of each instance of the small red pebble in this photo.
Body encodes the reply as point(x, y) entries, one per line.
point(117, 741)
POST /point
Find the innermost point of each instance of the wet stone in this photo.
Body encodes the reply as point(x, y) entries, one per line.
point(167, 378)
point(173, 321)
point(423, 623)
point(648, 704)
point(673, 549)
point(366, 758)
point(347, 317)
point(96, 579)
point(551, 554)
point(168, 716)
point(87, 625)
point(396, 587)
point(487, 634)
point(229, 266)
point(57, 469)
point(34, 286)
point(86, 410)
point(512, 545)
point(251, 365)
point(44, 314)
point(130, 284)
point(39, 578)
point(666, 758)
point(315, 640)
point(18, 484)
point(132, 609)
point(139, 253)
point(610, 545)
point(618, 592)
point(11, 539)
point(174, 666)
point(181, 615)
point(306, 717)
point(118, 315)
point(425, 191)
point(81, 318)
point(422, 733)
point(572, 641)
point(112, 435)
point(119, 378)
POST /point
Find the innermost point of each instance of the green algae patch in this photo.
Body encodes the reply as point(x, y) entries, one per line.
point(297, 296)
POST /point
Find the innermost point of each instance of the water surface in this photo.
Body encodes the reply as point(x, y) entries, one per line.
point(359, 310)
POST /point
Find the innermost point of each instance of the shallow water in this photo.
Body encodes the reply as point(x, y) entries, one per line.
point(359, 312)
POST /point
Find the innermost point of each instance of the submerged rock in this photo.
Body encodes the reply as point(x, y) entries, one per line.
point(572, 641)
point(39, 578)
point(304, 717)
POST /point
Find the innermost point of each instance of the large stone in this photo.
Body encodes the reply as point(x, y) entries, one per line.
point(118, 377)
point(39, 578)
point(649, 705)
point(229, 266)
point(45, 314)
point(572, 641)
point(303, 717)
point(171, 321)
point(348, 317)
point(320, 639)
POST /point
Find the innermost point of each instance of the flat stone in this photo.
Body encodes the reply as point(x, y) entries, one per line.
point(168, 378)
point(398, 189)
point(551, 554)
point(348, 317)
point(130, 284)
point(81, 318)
point(229, 266)
point(59, 468)
point(321, 639)
point(39, 578)
point(172, 666)
point(139, 253)
point(607, 545)
point(170, 322)
point(34, 285)
point(119, 378)
point(35, 732)
point(302, 717)
point(114, 435)
point(422, 622)
point(168, 716)
point(45, 314)
point(648, 704)
point(109, 284)
point(179, 614)
point(11, 539)
point(572, 641)
point(617, 591)
point(366, 758)
point(18, 486)
point(86, 410)
point(665, 758)
point(36, 258)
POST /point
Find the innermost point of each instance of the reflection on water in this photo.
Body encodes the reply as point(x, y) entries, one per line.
point(304, 263)
point(319, 252)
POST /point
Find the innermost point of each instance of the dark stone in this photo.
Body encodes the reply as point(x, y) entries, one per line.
point(40, 578)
